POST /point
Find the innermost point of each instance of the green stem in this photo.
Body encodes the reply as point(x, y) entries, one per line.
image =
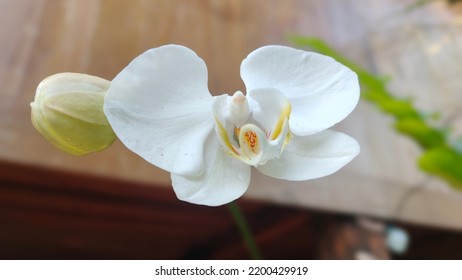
point(244, 229)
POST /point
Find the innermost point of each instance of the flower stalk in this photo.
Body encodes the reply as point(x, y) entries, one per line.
point(244, 230)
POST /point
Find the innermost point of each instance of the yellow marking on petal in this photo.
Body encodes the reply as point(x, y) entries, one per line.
point(287, 140)
point(225, 138)
point(283, 116)
point(237, 130)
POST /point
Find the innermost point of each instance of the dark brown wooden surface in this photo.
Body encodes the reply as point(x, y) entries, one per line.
point(44, 214)
point(50, 215)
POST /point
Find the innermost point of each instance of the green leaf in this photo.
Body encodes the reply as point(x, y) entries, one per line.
point(399, 108)
point(445, 163)
point(426, 136)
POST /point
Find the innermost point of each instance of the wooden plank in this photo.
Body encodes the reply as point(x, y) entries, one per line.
point(46, 214)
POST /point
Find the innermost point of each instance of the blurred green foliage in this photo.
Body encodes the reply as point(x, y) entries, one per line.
point(419, 3)
point(439, 157)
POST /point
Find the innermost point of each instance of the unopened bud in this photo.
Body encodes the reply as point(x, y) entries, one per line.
point(68, 112)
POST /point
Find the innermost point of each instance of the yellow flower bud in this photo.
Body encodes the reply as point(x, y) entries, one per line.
point(68, 112)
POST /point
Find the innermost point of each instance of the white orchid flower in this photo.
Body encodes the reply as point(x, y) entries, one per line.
point(160, 108)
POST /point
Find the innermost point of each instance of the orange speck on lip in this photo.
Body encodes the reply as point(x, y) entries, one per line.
point(251, 140)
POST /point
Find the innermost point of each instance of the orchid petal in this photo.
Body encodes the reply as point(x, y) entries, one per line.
point(223, 180)
point(270, 109)
point(314, 156)
point(322, 91)
point(160, 108)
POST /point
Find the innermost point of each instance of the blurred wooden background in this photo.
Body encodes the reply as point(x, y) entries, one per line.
point(55, 205)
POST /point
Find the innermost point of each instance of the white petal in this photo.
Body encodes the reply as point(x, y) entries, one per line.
point(314, 156)
point(224, 179)
point(269, 108)
point(321, 91)
point(160, 108)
